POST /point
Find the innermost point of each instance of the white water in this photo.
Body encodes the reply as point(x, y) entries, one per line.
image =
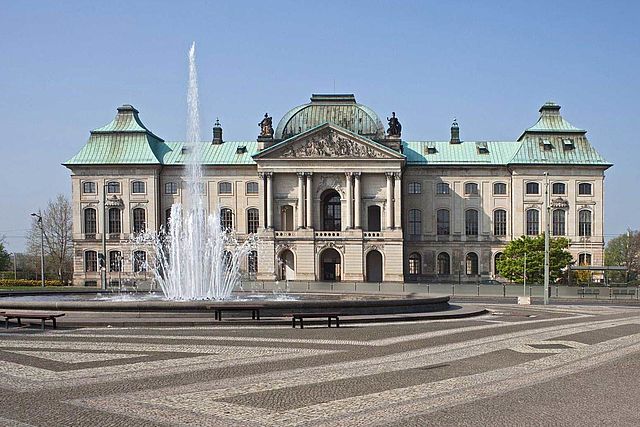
point(195, 258)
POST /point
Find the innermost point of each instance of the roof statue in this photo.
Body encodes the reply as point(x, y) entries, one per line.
point(266, 127)
point(395, 128)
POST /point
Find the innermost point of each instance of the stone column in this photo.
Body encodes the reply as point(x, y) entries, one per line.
point(309, 223)
point(347, 217)
point(300, 199)
point(269, 176)
point(389, 216)
point(397, 195)
point(357, 199)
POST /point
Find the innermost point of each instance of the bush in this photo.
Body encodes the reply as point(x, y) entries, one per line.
point(6, 283)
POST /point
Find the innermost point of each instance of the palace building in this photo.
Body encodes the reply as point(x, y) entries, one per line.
point(335, 195)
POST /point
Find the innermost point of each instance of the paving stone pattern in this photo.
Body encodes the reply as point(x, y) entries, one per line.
point(556, 365)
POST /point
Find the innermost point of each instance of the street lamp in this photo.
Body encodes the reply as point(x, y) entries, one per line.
point(15, 267)
point(41, 246)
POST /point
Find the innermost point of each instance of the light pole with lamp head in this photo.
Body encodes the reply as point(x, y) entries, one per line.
point(41, 246)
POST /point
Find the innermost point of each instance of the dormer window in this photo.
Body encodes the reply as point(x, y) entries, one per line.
point(567, 144)
point(482, 147)
point(241, 149)
point(431, 149)
point(546, 145)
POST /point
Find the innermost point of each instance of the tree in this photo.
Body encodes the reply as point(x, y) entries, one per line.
point(5, 260)
point(624, 251)
point(56, 223)
point(511, 264)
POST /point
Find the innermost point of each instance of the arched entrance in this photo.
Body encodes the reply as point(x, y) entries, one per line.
point(374, 266)
point(331, 211)
point(286, 266)
point(330, 266)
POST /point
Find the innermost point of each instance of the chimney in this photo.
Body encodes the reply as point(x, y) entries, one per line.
point(455, 133)
point(217, 133)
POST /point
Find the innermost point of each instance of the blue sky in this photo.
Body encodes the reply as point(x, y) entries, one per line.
point(66, 66)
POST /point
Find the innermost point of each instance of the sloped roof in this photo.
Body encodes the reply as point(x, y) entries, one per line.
point(467, 152)
point(213, 154)
point(532, 151)
point(551, 121)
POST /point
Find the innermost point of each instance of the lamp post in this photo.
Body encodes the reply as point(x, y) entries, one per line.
point(103, 271)
point(41, 246)
point(546, 238)
point(15, 267)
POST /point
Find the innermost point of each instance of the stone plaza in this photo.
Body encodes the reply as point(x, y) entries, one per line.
point(533, 365)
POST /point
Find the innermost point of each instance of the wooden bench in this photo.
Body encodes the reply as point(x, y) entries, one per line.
point(617, 292)
point(218, 309)
point(302, 316)
point(30, 315)
point(587, 291)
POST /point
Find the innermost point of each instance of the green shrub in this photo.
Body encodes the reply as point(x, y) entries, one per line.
point(5, 283)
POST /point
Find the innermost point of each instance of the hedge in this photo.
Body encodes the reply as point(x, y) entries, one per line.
point(4, 283)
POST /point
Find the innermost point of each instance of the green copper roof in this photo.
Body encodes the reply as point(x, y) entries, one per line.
point(561, 150)
point(227, 153)
point(341, 110)
point(126, 120)
point(551, 121)
point(467, 152)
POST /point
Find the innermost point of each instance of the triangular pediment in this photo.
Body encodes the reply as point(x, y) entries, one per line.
point(329, 141)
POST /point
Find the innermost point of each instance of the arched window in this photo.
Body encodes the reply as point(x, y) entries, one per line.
point(226, 219)
point(90, 223)
point(252, 188)
point(253, 220)
point(138, 187)
point(415, 188)
point(115, 261)
point(252, 262)
point(500, 222)
point(559, 228)
point(471, 188)
point(227, 260)
point(442, 188)
point(471, 222)
point(415, 263)
point(584, 259)
point(496, 258)
point(472, 264)
point(113, 187)
point(90, 261)
point(443, 227)
point(331, 211)
point(139, 220)
point(584, 223)
point(171, 188)
point(499, 188)
point(115, 222)
point(224, 188)
point(532, 188)
point(444, 264)
point(139, 261)
point(415, 222)
point(584, 189)
point(558, 188)
point(533, 222)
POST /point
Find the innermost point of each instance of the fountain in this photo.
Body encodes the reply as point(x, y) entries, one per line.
point(196, 259)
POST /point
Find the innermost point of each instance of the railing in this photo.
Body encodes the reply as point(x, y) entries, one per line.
point(285, 233)
point(327, 234)
point(90, 236)
point(372, 234)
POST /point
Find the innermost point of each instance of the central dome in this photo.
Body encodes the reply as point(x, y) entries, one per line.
point(341, 110)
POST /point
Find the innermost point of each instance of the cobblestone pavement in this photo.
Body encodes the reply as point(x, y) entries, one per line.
point(556, 365)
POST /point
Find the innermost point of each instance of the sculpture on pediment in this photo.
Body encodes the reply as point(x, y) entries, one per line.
point(266, 126)
point(330, 145)
point(395, 128)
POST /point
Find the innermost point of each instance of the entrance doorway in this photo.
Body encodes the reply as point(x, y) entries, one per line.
point(286, 266)
point(373, 218)
point(374, 266)
point(286, 218)
point(330, 266)
point(331, 211)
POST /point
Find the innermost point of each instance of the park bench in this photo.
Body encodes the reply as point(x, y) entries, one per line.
point(587, 291)
point(43, 317)
point(618, 292)
point(302, 316)
point(218, 309)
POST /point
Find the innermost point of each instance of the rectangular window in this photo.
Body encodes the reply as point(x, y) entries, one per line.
point(415, 188)
point(533, 222)
point(171, 188)
point(115, 261)
point(500, 222)
point(224, 188)
point(252, 261)
point(558, 188)
point(584, 189)
point(89, 187)
point(137, 187)
point(113, 187)
point(442, 188)
point(471, 222)
point(253, 220)
point(499, 188)
point(91, 261)
point(252, 188)
point(533, 188)
point(415, 222)
point(442, 222)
